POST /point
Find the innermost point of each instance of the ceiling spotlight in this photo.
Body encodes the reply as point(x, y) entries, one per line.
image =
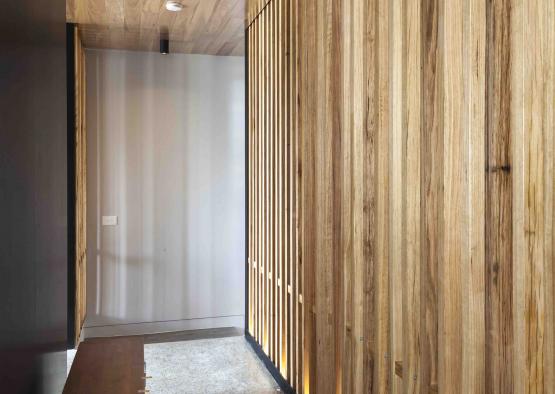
point(174, 6)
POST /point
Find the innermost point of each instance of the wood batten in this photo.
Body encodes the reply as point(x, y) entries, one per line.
point(423, 195)
point(275, 276)
point(254, 8)
point(499, 202)
point(431, 190)
point(80, 257)
point(411, 148)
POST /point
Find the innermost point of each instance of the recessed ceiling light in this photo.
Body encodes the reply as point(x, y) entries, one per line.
point(174, 6)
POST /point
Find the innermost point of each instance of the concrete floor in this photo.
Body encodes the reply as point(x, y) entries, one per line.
point(206, 366)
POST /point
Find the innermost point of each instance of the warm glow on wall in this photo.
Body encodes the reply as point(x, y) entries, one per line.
point(305, 372)
point(306, 383)
point(283, 361)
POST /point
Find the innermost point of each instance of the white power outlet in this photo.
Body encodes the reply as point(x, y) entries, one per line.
point(109, 220)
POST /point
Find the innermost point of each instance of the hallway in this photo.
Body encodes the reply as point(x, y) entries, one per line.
point(262, 196)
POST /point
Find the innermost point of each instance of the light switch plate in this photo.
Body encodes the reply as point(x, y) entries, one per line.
point(109, 220)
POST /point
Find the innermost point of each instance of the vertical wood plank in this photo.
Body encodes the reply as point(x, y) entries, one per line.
point(277, 40)
point(325, 347)
point(499, 264)
point(255, 241)
point(80, 257)
point(290, 261)
point(344, 364)
point(265, 150)
point(473, 271)
point(308, 62)
point(300, 306)
point(254, 219)
point(396, 146)
point(548, 71)
point(280, 211)
point(532, 226)
point(517, 153)
point(432, 188)
point(258, 178)
point(250, 182)
point(412, 381)
point(285, 188)
point(450, 291)
point(357, 196)
point(379, 98)
point(273, 194)
point(294, 244)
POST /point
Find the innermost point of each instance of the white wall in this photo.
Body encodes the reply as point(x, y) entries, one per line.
point(166, 155)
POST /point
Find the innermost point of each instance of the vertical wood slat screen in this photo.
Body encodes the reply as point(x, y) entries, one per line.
point(80, 186)
point(426, 138)
point(275, 273)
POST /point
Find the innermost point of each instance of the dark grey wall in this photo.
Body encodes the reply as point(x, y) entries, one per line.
point(33, 202)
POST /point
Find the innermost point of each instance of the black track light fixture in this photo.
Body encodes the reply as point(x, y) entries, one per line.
point(164, 46)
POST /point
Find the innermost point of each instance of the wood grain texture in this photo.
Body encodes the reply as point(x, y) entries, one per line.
point(277, 309)
point(532, 108)
point(379, 96)
point(297, 281)
point(499, 269)
point(411, 194)
point(80, 257)
point(395, 158)
point(432, 190)
point(254, 8)
point(308, 63)
point(426, 191)
point(108, 365)
point(212, 27)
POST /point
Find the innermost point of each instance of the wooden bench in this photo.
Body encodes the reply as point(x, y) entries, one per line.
point(108, 365)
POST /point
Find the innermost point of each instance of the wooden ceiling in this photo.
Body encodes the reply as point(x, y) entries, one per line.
point(213, 27)
point(254, 7)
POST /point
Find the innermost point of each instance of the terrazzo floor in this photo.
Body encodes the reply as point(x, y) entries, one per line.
point(206, 366)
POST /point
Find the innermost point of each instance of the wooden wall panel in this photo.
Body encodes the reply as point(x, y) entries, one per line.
point(425, 154)
point(80, 187)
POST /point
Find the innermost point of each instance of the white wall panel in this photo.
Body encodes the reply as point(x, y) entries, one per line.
point(166, 155)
